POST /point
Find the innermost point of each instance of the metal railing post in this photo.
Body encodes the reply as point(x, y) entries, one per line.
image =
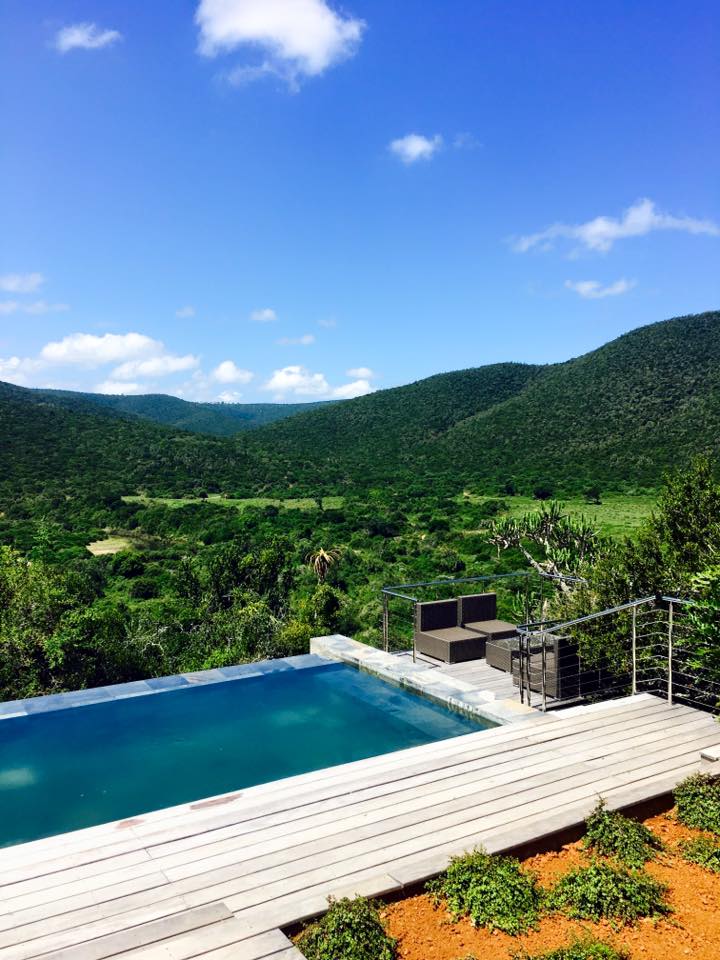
point(415, 628)
point(670, 652)
point(634, 650)
point(386, 622)
point(543, 678)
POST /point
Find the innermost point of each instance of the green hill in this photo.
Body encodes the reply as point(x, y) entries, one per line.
point(66, 446)
point(216, 419)
point(620, 416)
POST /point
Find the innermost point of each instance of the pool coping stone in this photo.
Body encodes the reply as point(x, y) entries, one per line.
point(12, 709)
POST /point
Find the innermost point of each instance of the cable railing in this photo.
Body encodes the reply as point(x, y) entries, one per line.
point(646, 645)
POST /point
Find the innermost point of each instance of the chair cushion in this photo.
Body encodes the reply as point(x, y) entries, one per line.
point(452, 634)
point(478, 606)
point(437, 614)
point(493, 628)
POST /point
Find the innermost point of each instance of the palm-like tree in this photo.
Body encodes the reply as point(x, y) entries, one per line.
point(320, 562)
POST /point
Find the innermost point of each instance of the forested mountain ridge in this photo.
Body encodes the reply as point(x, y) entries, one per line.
point(216, 419)
point(620, 415)
point(642, 404)
point(624, 413)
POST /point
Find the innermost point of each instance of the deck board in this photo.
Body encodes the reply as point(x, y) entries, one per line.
point(215, 880)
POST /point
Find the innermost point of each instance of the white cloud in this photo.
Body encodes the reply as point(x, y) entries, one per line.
point(185, 313)
point(304, 341)
point(161, 366)
point(36, 308)
point(299, 38)
point(414, 147)
point(300, 382)
point(594, 290)
point(115, 388)
point(229, 396)
point(90, 350)
point(329, 323)
point(600, 234)
point(361, 373)
point(266, 315)
point(17, 370)
point(85, 36)
point(42, 306)
point(21, 282)
point(228, 372)
point(358, 388)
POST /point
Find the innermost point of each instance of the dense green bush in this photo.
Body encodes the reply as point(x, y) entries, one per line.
point(493, 892)
point(350, 930)
point(611, 834)
point(698, 802)
point(603, 891)
point(702, 850)
point(585, 948)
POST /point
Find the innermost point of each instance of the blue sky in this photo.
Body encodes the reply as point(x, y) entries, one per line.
point(297, 199)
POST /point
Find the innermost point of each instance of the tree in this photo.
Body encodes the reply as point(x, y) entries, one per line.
point(320, 562)
point(567, 543)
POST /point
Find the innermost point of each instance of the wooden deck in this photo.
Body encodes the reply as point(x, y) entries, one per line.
point(474, 672)
point(217, 878)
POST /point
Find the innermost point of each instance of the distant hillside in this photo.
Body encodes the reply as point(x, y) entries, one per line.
point(623, 414)
point(379, 437)
point(216, 419)
point(620, 416)
point(627, 412)
point(62, 446)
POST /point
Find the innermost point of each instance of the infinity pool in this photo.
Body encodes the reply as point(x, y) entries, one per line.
point(77, 766)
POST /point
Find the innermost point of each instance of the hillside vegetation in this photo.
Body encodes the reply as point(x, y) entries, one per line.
point(216, 419)
point(622, 414)
point(619, 416)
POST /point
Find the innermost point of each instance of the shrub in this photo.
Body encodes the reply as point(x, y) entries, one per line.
point(702, 850)
point(698, 802)
point(350, 930)
point(494, 892)
point(603, 891)
point(612, 835)
point(587, 948)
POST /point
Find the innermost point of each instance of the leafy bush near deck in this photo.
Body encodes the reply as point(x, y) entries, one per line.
point(703, 851)
point(611, 834)
point(603, 891)
point(493, 892)
point(698, 802)
point(350, 930)
point(586, 948)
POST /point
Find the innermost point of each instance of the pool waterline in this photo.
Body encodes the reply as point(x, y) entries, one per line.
point(65, 768)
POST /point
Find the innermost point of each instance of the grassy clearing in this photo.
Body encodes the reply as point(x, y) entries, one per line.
point(104, 548)
point(306, 503)
point(618, 515)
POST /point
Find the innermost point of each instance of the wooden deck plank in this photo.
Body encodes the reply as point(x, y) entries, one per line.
point(273, 854)
point(156, 931)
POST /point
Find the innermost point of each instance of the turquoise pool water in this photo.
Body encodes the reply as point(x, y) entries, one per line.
point(69, 768)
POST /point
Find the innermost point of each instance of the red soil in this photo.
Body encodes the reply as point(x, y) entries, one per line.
point(692, 930)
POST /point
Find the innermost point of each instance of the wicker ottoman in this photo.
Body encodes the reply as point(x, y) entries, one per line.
point(501, 651)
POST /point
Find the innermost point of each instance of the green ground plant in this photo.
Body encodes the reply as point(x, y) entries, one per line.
point(350, 930)
point(703, 851)
point(581, 948)
point(610, 834)
point(698, 802)
point(491, 891)
point(603, 891)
